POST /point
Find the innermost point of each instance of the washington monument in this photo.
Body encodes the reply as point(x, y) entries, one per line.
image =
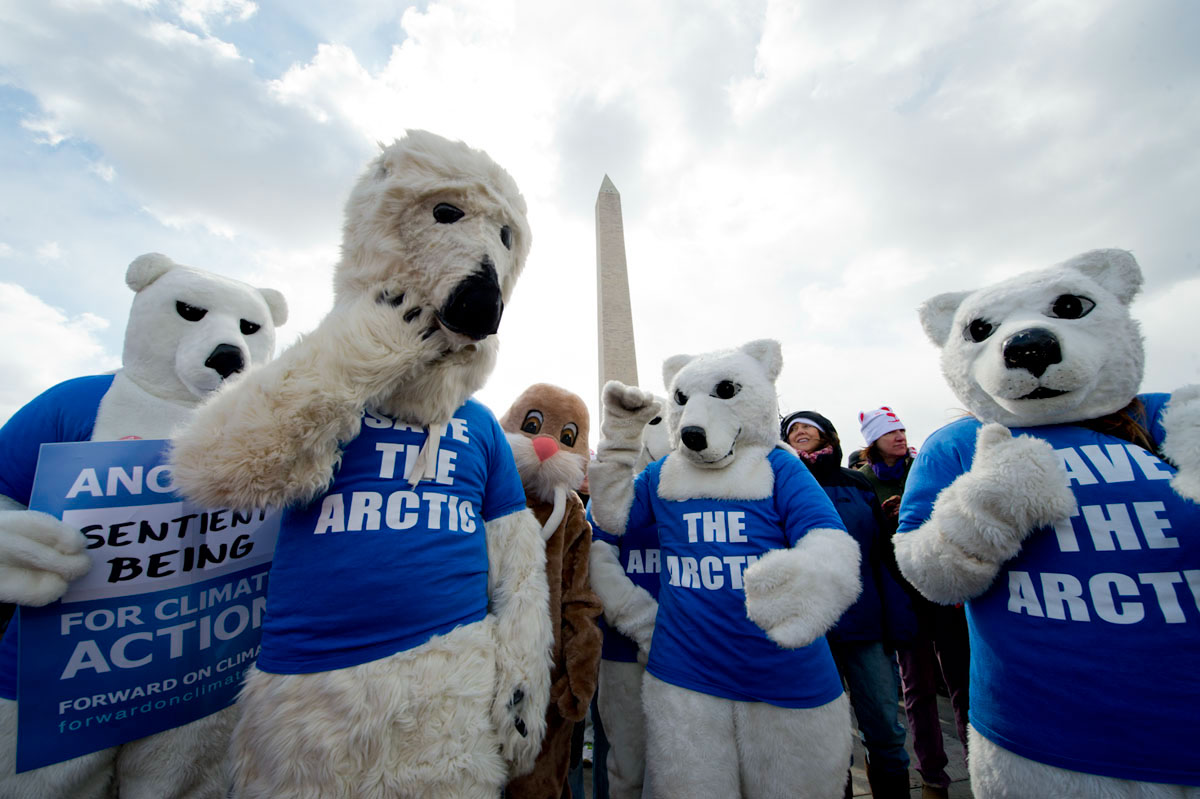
point(613, 314)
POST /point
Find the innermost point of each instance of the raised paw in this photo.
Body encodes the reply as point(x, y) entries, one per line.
point(629, 402)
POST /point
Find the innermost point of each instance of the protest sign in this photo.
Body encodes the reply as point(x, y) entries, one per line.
point(162, 629)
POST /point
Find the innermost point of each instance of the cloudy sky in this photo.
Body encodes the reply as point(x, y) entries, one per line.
point(805, 171)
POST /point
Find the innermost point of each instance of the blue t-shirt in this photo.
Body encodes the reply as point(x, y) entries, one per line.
point(63, 413)
point(376, 566)
point(639, 555)
point(703, 639)
point(1085, 651)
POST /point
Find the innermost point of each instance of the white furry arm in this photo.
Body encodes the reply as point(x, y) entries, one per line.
point(979, 521)
point(39, 555)
point(1181, 420)
point(627, 607)
point(272, 437)
point(520, 605)
point(610, 476)
point(797, 594)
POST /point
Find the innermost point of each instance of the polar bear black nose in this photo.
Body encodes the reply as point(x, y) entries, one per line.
point(226, 360)
point(1034, 349)
point(475, 306)
point(694, 438)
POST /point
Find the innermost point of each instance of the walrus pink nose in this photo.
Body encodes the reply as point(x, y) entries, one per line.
point(545, 447)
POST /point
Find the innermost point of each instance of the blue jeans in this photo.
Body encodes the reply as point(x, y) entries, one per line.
point(874, 687)
point(599, 760)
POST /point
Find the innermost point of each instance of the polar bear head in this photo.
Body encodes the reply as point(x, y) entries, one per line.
point(190, 330)
point(1051, 346)
point(722, 401)
point(440, 219)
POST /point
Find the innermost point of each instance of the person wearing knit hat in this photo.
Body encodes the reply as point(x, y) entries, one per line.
point(863, 640)
point(941, 647)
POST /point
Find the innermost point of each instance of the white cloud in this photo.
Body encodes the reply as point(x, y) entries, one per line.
point(49, 251)
point(45, 347)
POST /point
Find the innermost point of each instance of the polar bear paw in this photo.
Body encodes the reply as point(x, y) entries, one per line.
point(1181, 422)
point(39, 557)
point(627, 409)
point(796, 594)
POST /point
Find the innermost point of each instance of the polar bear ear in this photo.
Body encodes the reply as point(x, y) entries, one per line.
point(937, 315)
point(672, 365)
point(768, 353)
point(145, 269)
point(277, 304)
point(1115, 270)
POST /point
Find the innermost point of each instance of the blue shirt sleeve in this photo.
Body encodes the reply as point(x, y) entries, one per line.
point(802, 503)
point(65, 412)
point(946, 455)
point(504, 493)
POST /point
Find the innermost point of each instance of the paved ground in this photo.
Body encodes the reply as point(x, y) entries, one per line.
point(959, 789)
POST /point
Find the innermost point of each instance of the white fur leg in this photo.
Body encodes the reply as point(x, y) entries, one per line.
point(272, 437)
point(797, 594)
point(800, 753)
point(997, 773)
point(627, 409)
point(86, 777)
point(520, 604)
point(690, 743)
point(188, 762)
point(619, 700)
point(417, 723)
point(628, 607)
point(1181, 421)
point(981, 519)
point(39, 556)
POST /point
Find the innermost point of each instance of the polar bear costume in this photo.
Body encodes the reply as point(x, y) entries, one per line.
point(1064, 513)
point(741, 695)
point(625, 575)
point(407, 635)
point(188, 332)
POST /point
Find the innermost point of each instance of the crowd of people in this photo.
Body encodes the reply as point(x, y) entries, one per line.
point(892, 644)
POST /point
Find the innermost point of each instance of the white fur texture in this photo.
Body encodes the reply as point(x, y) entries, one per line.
point(275, 441)
point(39, 556)
point(797, 594)
point(1181, 421)
point(656, 439)
point(704, 747)
point(1102, 354)
point(619, 700)
point(979, 521)
point(997, 773)
point(627, 410)
point(561, 470)
point(627, 606)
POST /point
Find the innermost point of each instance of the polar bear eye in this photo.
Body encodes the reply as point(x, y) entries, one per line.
point(680, 397)
point(250, 328)
point(191, 313)
point(1070, 306)
point(978, 330)
point(726, 389)
point(506, 237)
point(446, 214)
point(568, 435)
point(533, 423)
point(655, 420)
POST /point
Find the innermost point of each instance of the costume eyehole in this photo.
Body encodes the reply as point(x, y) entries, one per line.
point(568, 435)
point(726, 389)
point(533, 423)
point(978, 330)
point(506, 237)
point(656, 420)
point(192, 313)
point(1070, 306)
point(446, 214)
point(249, 328)
point(680, 397)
